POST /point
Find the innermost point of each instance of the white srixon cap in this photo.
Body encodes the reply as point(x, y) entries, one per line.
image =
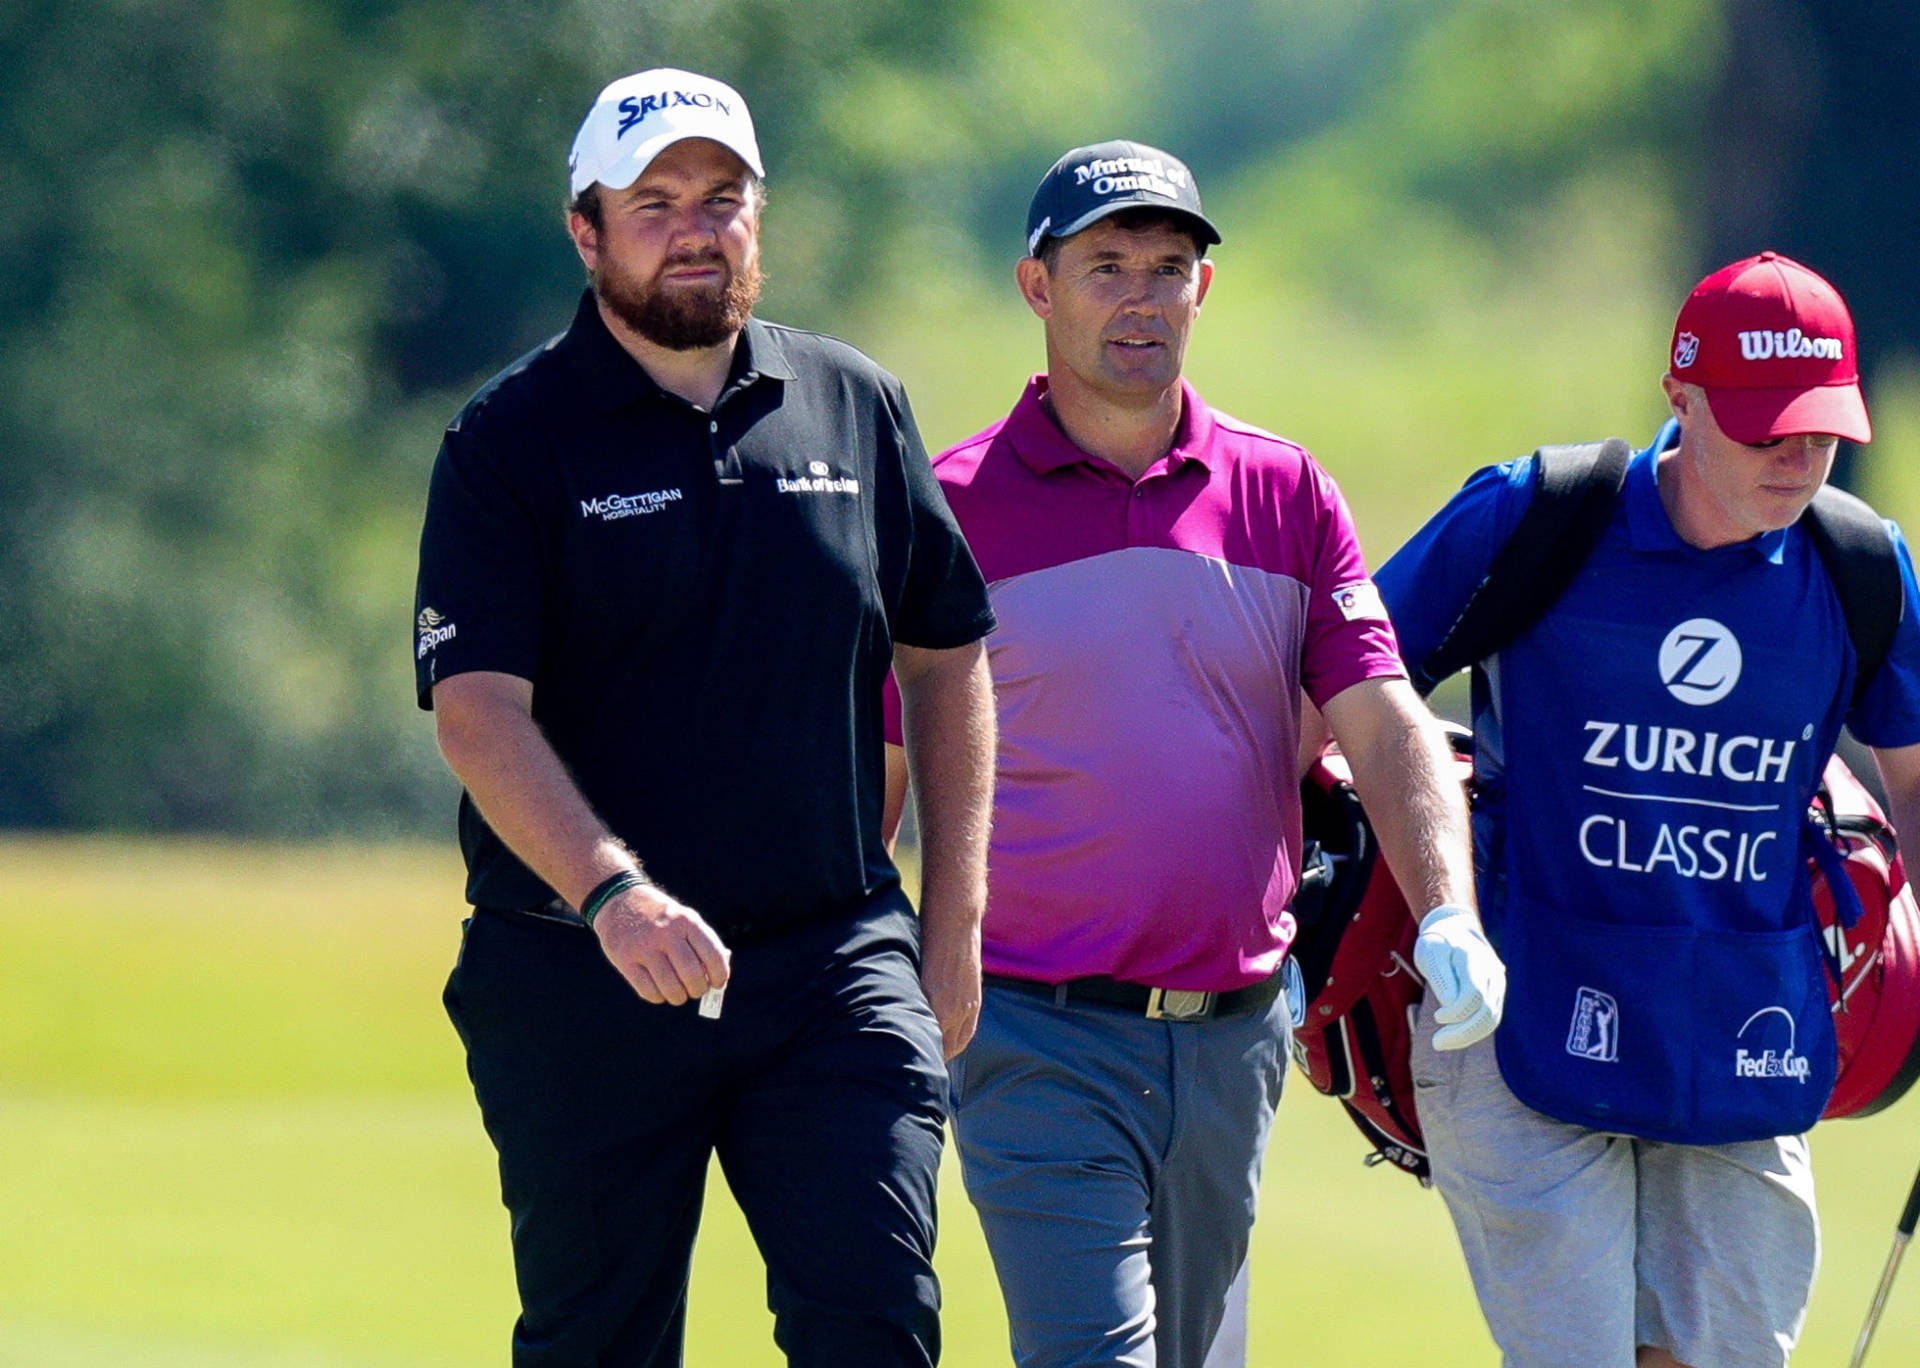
point(638, 117)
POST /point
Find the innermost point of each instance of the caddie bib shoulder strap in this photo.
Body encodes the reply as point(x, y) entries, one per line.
point(1859, 556)
point(1574, 494)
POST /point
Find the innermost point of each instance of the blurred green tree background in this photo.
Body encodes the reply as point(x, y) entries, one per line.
point(254, 254)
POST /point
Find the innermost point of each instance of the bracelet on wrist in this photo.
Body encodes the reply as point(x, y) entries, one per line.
point(607, 890)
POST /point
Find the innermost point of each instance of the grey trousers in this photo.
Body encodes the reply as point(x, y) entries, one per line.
point(1584, 1245)
point(1115, 1165)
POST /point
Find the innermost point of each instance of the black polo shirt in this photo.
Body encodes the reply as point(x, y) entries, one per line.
point(706, 604)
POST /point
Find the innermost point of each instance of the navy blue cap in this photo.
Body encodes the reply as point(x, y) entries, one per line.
point(1090, 183)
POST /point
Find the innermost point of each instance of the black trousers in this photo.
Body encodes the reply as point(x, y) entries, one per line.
point(821, 1088)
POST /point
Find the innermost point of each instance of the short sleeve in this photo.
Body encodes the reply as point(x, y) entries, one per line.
point(478, 598)
point(944, 600)
point(1888, 713)
point(1348, 637)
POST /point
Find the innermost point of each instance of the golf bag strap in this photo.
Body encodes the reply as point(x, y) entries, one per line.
point(1860, 559)
point(1574, 494)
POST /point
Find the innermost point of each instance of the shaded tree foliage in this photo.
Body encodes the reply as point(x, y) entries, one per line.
point(253, 255)
point(1812, 147)
point(250, 257)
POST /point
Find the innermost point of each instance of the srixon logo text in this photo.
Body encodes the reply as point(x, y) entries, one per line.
point(635, 108)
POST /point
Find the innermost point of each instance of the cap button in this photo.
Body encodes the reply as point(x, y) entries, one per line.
point(1769, 256)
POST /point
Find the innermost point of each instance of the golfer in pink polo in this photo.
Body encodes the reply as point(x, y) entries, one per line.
point(1170, 582)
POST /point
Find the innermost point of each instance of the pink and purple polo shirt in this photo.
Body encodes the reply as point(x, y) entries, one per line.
point(1154, 638)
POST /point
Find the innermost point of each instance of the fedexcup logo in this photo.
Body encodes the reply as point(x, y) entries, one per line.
point(433, 630)
point(1700, 661)
point(1770, 1063)
point(1686, 350)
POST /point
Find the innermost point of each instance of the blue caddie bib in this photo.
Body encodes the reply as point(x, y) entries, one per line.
point(1663, 729)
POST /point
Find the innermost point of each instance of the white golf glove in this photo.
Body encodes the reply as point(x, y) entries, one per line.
point(1465, 976)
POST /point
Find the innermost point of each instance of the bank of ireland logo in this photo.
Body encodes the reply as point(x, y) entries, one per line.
point(1594, 1032)
point(1700, 661)
point(1768, 1062)
point(1686, 349)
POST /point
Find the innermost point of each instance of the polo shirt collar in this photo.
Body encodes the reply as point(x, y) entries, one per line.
point(612, 378)
point(1044, 447)
point(760, 353)
point(1648, 525)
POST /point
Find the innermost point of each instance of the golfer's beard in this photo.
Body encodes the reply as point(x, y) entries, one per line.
point(683, 319)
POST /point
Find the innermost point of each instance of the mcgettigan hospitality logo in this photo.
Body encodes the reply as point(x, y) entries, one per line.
point(611, 506)
point(433, 629)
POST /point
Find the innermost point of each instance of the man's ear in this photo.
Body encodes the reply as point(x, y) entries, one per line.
point(586, 239)
point(1679, 397)
point(1206, 282)
point(1036, 285)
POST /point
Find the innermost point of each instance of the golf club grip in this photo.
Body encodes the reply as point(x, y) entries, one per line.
point(1911, 1215)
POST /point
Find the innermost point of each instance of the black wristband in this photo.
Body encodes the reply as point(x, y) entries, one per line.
point(607, 890)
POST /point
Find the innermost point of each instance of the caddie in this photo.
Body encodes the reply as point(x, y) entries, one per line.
point(668, 559)
point(1169, 583)
point(1626, 1161)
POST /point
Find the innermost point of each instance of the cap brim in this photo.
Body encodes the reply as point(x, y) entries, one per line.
point(1760, 415)
point(629, 168)
point(1209, 235)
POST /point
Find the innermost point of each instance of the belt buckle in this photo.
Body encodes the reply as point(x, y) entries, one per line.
point(1178, 1004)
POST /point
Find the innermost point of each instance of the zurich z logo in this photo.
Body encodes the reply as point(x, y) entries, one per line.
point(1700, 661)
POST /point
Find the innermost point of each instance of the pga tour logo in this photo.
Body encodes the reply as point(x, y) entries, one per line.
point(1771, 1063)
point(1594, 1032)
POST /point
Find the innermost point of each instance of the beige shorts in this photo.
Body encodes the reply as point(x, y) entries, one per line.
point(1583, 1244)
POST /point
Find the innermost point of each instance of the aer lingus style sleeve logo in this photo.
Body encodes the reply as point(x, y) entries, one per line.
point(433, 629)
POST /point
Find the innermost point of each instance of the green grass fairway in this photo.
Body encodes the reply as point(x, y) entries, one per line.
point(237, 1134)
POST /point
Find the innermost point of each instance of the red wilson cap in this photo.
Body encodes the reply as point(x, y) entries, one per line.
point(1772, 345)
